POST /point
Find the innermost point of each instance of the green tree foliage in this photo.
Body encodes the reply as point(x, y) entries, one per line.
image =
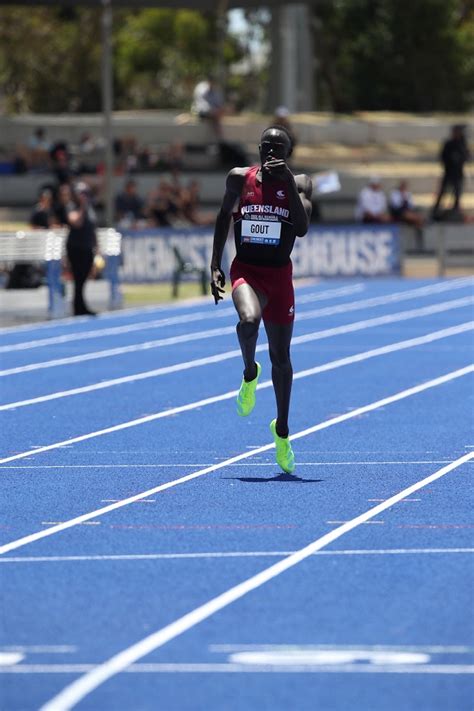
point(161, 54)
point(50, 60)
point(395, 54)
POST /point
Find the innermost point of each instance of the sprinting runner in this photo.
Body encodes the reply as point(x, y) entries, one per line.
point(271, 207)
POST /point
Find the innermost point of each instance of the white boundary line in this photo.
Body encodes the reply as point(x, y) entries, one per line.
point(187, 337)
point(235, 668)
point(428, 290)
point(175, 320)
point(400, 345)
point(228, 554)
point(169, 465)
point(332, 365)
point(25, 540)
point(82, 687)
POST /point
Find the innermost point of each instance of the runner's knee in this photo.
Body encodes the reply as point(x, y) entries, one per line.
point(248, 325)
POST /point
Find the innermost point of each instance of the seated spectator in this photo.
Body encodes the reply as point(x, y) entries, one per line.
point(208, 104)
point(129, 205)
point(163, 206)
point(61, 166)
point(38, 147)
point(191, 206)
point(43, 216)
point(372, 207)
point(403, 209)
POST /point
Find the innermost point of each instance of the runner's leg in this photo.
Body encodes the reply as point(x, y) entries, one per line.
point(279, 340)
point(249, 305)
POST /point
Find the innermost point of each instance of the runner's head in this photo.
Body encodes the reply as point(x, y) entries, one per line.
point(276, 142)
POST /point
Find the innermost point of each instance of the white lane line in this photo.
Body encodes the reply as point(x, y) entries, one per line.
point(184, 338)
point(148, 345)
point(169, 321)
point(426, 649)
point(228, 554)
point(39, 648)
point(196, 464)
point(82, 687)
point(198, 362)
point(120, 315)
point(297, 340)
point(233, 668)
point(25, 540)
point(332, 365)
point(318, 296)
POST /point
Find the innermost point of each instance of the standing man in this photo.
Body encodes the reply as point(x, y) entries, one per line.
point(270, 207)
point(81, 245)
point(454, 154)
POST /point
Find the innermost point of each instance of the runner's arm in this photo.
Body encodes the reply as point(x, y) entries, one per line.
point(299, 197)
point(234, 183)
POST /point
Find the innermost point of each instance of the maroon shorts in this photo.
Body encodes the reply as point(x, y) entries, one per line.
point(275, 283)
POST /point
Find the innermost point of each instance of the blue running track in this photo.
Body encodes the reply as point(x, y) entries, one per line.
point(153, 557)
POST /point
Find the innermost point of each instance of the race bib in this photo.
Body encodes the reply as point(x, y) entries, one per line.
point(260, 232)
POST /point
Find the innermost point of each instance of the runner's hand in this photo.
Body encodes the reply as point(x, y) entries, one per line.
point(277, 168)
point(217, 284)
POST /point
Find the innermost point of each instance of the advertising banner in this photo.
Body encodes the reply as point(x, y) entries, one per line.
point(347, 250)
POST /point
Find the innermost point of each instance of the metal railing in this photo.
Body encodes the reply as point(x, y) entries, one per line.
point(49, 247)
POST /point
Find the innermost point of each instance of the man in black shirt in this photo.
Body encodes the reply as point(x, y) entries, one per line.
point(81, 245)
point(454, 154)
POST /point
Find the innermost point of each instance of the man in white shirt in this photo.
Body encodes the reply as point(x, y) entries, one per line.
point(372, 203)
point(208, 103)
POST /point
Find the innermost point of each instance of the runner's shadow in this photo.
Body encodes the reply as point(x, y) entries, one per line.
point(280, 477)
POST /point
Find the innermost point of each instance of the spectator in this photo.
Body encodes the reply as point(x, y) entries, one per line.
point(164, 205)
point(403, 209)
point(61, 167)
point(81, 245)
point(372, 204)
point(454, 154)
point(208, 104)
point(43, 213)
point(129, 205)
point(38, 147)
point(63, 204)
point(191, 206)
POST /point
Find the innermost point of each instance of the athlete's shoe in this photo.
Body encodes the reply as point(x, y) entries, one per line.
point(246, 396)
point(284, 452)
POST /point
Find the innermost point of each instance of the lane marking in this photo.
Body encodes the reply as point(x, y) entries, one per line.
point(199, 315)
point(231, 554)
point(84, 685)
point(196, 464)
point(233, 668)
point(40, 648)
point(318, 335)
point(10, 658)
point(170, 321)
point(202, 335)
point(429, 649)
point(265, 384)
point(401, 395)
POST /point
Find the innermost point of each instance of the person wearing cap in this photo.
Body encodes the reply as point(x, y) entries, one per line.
point(372, 204)
point(81, 244)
